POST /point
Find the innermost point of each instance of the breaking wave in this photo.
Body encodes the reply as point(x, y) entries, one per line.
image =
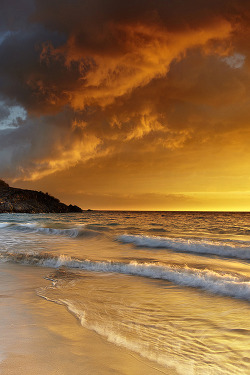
point(79, 231)
point(219, 283)
point(236, 249)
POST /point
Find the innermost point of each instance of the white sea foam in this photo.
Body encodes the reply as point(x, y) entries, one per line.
point(4, 225)
point(236, 249)
point(224, 284)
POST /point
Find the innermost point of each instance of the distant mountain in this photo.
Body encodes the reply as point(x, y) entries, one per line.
point(30, 201)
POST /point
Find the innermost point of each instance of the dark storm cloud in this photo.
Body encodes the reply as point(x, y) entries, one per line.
point(175, 15)
point(21, 72)
point(97, 77)
point(4, 112)
point(14, 14)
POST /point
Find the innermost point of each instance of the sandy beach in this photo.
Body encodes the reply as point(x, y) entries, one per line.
point(39, 337)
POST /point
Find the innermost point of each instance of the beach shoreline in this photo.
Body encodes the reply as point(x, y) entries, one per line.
point(124, 293)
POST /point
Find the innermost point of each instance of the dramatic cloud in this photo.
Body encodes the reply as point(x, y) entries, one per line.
point(143, 85)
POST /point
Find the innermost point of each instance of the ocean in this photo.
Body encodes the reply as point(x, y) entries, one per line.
point(111, 292)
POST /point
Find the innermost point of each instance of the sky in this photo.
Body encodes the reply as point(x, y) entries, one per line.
point(127, 105)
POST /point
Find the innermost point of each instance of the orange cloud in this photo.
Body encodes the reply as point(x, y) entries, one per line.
point(63, 157)
point(146, 53)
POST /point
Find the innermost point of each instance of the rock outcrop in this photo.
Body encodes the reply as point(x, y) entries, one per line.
point(31, 201)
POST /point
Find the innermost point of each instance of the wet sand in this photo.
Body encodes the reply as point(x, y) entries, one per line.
point(40, 337)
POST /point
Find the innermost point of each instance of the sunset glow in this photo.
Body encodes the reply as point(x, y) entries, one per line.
point(127, 105)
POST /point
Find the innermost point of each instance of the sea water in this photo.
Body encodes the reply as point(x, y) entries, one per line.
point(170, 289)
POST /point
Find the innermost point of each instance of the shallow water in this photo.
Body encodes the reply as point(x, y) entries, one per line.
point(171, 288)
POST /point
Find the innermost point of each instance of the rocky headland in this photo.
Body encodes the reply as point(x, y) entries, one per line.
point(30, 201)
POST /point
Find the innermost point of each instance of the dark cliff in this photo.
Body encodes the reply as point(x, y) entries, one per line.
point(30, 201)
